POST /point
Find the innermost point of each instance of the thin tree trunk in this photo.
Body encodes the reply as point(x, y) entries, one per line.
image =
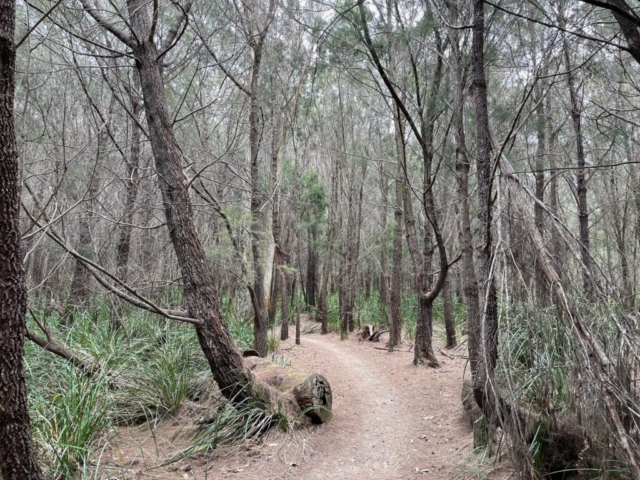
point(468, 271)
point(284, 330)
point(261, 319)
point(581, 182)
point(17, 456)
point(81, 282)
point(449, 322)
point(123, 246)
point(395, 322)
point(384, 254)
point(541, 118)
point(356, 253)
point(326, 268)
point(279, 277)
point(312, 275)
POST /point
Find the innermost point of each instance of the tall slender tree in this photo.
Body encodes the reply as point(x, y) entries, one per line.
point(17, 456)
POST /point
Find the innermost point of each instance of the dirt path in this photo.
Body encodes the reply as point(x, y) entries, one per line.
point(391, 419)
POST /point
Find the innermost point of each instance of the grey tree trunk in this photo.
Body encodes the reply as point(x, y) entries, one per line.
point(326, 267)
point(81, 282)
point(200, 295)
point(468, 271)
point(449, 322)
point(581, 182)
point(395, 321)
point(17, 456)
point(485, 331)
point(123, 246)
point(384, 254)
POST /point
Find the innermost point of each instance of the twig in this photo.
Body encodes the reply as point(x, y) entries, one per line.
point(446, 354)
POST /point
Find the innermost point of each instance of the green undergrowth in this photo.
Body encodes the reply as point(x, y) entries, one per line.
point(369, 310)
point(139, 374)
point(142, 373)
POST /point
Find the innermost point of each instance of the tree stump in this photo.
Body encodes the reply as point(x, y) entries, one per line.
point(312, 393)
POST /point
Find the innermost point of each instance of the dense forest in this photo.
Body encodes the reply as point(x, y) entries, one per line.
point(187, 183)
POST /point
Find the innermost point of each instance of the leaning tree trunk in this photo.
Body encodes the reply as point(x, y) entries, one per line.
point(200, 296)
point(17, 457)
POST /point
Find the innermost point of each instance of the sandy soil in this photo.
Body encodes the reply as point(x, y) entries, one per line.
point(392, 420)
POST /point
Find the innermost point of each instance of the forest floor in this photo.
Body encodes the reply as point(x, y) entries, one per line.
point(391, 421)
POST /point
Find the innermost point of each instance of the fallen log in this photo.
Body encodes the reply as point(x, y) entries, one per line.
point(367, 332)
point(312, 392)
point(376, 336)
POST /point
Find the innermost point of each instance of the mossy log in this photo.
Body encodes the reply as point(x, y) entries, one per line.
point(312, 393)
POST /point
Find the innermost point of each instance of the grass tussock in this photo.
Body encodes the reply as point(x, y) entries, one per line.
point(142, 373)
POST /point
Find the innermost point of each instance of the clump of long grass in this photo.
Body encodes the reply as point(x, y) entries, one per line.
point(141, 372)
point(71, 417)
point(544, 370)
point(238, 422)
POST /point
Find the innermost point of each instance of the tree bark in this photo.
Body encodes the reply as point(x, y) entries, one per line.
point(123, 246)
point(80, 284)
point(581, 182)
point(312, 261)
point(200, 296)
point(449, 323)
point(384, 254)
point(284, 283)
point(17, 456)
point(485, 331)
point(468, 271)
point(326, 267)
point(395, 321)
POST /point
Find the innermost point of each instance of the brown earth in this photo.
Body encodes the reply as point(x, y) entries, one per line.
point(392, 420)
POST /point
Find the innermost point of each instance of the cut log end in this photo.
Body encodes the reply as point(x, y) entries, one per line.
point(314, 398)
point(312, 393)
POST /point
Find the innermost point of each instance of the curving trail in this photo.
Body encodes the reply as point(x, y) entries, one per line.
point(391, 419)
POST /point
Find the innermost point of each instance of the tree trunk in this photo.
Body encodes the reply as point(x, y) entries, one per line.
point(485, 331)
point(123, 247)
point(541, 118)
point(311, 267)
point(468, 272)
point(17, 456)
point(423, 351)
point(384, 254)
point(326, 267)
point(581, 182)
point(284, 283)
point(449, 322)
point(200, 296)
point(395, 321)
point(80, 284)
point(356, 252)
point(261, 317)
